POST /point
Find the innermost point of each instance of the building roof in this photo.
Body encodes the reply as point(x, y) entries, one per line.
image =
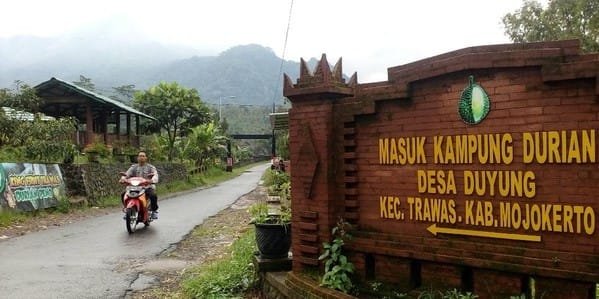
point(53, 82)
point(279, 120)
point(23, 115)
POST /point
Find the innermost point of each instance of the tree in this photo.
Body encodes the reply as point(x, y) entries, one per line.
point(282, 144)
point(85, 83)
point(204, 143)
point(126, 91)
point(23, 98)
point(47, 141)
point(177, 109)
point(562, 19)
point(27, 136)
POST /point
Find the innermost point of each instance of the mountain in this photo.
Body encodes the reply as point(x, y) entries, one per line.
point(250, 73)
point(92, 52)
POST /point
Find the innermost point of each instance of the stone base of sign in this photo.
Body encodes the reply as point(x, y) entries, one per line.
point(440, 276)
point(286, 285)
point(386, 269)
point(560, 288)
point(302, 287)
point(489, 284)
point(271, 265)
point(273, 285)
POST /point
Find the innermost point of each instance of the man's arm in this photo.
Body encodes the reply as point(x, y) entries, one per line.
point(129, 173)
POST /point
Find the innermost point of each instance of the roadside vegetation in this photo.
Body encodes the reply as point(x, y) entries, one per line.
point(187, 133)
point(208, 178)
point(232, 276)
point(229, 277)
point(10, 217)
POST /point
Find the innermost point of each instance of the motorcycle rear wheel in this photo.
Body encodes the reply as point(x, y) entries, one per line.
point(131, 219)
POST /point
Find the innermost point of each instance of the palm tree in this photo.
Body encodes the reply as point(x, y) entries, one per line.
point(203, 143)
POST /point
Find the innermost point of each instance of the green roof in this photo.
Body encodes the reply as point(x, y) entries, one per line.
point(92, 95)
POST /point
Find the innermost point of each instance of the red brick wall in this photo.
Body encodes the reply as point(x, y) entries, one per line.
point(311, 162)
point(535, 87)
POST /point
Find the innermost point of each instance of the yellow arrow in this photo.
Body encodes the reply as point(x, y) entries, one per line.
point(475, 233)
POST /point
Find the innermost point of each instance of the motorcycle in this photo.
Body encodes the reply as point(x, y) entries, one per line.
point(136, 202)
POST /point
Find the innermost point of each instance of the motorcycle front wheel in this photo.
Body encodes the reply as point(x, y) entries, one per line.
point(131, 219)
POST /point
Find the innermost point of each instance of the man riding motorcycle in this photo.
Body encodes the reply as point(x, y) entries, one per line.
point(148, 171)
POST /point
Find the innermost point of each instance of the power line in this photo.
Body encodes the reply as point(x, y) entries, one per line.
point(278, 83)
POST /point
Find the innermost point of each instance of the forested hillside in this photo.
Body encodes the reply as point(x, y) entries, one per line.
point(250, 73)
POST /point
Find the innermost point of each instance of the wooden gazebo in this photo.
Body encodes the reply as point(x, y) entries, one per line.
point(98, 116)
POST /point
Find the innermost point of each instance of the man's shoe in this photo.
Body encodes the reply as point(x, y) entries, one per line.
point(154, 215)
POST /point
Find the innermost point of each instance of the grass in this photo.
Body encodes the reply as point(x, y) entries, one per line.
point(210, 177)
point(225, 278)
point(9, 217)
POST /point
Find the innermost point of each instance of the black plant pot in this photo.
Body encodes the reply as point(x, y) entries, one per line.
point(273, 240)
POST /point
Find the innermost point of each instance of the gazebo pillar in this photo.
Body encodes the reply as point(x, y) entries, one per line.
point(137, 130)
point(89, 125)
point(118, 124)
point(128, 127)
point(104, 124)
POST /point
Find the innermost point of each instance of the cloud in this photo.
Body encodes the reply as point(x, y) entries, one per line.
point(369, 35)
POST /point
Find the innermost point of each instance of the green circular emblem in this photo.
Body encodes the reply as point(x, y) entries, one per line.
point(474, 103)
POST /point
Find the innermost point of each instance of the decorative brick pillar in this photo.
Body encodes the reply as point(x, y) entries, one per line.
point(311, 140)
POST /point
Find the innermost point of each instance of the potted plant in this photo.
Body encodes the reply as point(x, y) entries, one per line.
point(122, 150)
point(273, 230)
point(95, 150)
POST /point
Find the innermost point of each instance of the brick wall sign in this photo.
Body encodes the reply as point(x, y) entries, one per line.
point(476, 169)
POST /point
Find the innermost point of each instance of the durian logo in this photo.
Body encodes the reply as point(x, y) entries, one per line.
point(474, 103)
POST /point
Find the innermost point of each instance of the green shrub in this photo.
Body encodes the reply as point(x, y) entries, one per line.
point(98, 148)
point(275, 178)
point(337, 268)
point(225, 278)
point(260, 214)
point(12, 154)
point(64, 205)
point(277, 183)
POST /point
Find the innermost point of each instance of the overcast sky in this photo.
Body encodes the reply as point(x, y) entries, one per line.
point(370, 35)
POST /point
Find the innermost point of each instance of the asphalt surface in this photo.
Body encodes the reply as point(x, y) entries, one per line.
point(91, 258)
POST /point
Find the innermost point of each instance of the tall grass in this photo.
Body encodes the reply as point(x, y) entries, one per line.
point(225, 278)
point(9, 217)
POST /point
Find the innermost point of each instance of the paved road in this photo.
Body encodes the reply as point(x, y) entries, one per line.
point(89, 258)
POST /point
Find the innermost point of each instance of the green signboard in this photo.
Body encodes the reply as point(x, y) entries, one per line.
point(28, 186)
